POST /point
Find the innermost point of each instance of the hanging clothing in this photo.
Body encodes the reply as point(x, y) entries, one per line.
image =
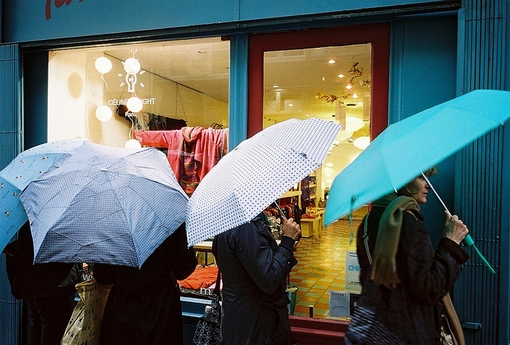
point(192, 151)
point(188, 178)
point(159, 122)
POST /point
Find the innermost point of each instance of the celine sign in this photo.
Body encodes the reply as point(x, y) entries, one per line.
point(117, 101)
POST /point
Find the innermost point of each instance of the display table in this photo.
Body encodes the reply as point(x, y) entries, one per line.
point(204, 247)
point(320, 214)
point(310, 226)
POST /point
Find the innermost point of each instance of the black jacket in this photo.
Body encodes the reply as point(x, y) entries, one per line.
point(412, 311)
point(254, 268)
point(144, 304)
point(34, 281)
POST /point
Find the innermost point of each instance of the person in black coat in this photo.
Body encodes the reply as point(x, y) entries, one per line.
point(405, 282)
point(254, 268)
point(50, 304)
point(144, 304)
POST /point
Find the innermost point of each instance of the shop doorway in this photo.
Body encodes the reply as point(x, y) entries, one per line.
point(337, 74)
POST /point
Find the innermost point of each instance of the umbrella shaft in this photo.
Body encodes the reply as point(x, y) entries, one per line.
point(280, 210)
point(437, 195)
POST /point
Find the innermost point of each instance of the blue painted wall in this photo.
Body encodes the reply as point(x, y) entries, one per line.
point(29, 20)
point(10, 144)
point(423, 74)
point(35, 95)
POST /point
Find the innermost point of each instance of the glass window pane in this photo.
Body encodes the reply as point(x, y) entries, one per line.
point(332, 83)
point(175, 83)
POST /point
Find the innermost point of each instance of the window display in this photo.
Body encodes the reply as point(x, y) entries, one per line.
point(173, 94)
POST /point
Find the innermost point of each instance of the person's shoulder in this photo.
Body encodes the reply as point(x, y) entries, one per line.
point(414, 216)
point(245, 232)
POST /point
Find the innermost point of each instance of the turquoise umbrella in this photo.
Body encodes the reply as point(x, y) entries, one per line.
point(407, 148)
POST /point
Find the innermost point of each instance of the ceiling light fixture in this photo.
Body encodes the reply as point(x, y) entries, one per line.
point(361, 142)
point(353, 124)
point(103, 65)
point(134, 104)
point(132, 67)
point(132, 144)
point(344, 135)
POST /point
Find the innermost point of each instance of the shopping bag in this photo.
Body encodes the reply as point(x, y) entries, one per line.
point(208, 331)
point(84, 327)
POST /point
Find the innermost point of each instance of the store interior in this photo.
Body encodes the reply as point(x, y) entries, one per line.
point(109, 93)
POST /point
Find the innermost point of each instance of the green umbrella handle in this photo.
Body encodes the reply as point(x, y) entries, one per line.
point(469, 242)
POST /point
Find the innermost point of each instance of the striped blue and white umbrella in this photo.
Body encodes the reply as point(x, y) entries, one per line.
point(255, 173)
point(104, 205)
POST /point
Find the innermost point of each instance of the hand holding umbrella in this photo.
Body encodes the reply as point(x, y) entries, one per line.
point(468, 240)
point(291, 229)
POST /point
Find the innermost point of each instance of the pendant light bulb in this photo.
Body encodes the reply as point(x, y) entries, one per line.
point(132, 144)
point(132, 66)
point(103, 113)
point(134, 104)
point(353, 124)
point(362, 142)
point(103, 65)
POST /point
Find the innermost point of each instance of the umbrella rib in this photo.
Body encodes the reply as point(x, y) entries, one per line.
point(81, 244)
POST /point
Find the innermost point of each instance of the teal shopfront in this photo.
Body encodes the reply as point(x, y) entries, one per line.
point(218, 63)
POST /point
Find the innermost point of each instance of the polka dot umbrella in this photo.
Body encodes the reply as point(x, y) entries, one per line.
point(255, 173)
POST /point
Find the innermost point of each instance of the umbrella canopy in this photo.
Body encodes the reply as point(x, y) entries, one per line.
point(26, 167)
point(13, 213)
point(254, 174)
point(405, 149)
point(104, 205)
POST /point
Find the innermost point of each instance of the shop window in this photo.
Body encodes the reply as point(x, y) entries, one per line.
point(331, 83)
point(106, 93)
